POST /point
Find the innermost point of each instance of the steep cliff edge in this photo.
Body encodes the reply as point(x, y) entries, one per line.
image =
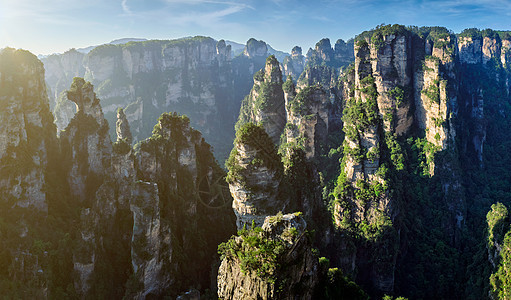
point(27, 131)
point(265, 104)
point(193, 76)
point(400, 97)
point(294, 64)
point(255, 175)
point(175, 235)
point(27, 149)
point(269, 262)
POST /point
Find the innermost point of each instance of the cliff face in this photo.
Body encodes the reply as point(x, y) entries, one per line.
point(425, 142)
point(27, 130)
point(90, 219)
point(159, 201)
point(307, 117)
point(99, 183)
point(178, 168)
point(60, 71)
point(294, 64)
point(363, 164)
point(265, 104)
point(255, 174)
point(401, 85)
point(481, 52)
point(27, 148)
point(291, 248)
point(191, 76)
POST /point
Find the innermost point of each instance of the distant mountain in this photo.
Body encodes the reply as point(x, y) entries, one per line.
point(114, 42)
point(237, 49)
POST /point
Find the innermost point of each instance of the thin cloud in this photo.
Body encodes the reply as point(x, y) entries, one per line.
point(125, 7)
point(186, 13)
point(195, 2)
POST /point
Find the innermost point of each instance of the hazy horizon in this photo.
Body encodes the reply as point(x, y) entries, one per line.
point(57, 25)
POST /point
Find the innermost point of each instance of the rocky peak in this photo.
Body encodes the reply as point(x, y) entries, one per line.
point(296, 51)
point(293, 65)
point(344, 52)
point(255, 48)
point(27, 130)
point(284, 236)
point(122, 127)
point(272, 72)
point(82, 94)
point(255, 172)
point(223, 51)
point(324, 50)
point(266, 104)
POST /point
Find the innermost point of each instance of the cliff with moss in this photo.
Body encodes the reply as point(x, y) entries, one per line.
point(381, 161)
point(193, 76)
point(27, 151)
point(87, 218)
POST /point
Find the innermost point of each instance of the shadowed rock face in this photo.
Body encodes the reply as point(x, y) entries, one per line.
point(26, 131)
point(255, 173)
point(122, 127)
point(191, 76)
point(296, 281)
point(27, 148)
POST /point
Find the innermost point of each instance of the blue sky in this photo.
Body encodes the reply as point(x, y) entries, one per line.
point(49, 26)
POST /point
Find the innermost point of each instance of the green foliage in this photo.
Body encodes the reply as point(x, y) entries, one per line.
point(433, 92)
point(360, 114)
point(289, 86)
point(361, 44)
point(396, 152)
point(380, 31)
point(256, 253)
point(498, 223)
point(387, 297)
point(301, 104)
point(335, 285)
point(500, 281)
point(121, 147)
point(398, 93)
point(473, 33)
point(255, 137)
point(259, 75)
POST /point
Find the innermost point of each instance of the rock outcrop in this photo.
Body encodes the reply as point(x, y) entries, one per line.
point(396, 87)
point(288, 271)
point(122, 127)
point(192, 76)
point(265, 104)
point(255, 48)
point(27, 150)
point(150, 206)
point(188, 205)
point(86, 141)
point(255, 174)
point(27, 131)
point(294, 64)
point(60, 71)
point(307, 117)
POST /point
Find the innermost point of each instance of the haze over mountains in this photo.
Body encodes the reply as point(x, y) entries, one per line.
point(361, 168)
